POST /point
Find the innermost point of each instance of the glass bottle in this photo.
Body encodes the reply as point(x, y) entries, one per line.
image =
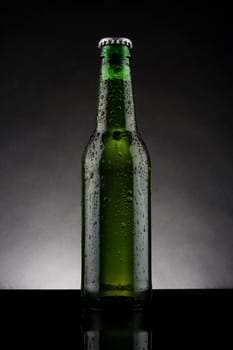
point(116, 192)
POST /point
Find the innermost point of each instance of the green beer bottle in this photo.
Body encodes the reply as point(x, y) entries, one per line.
point(116, 191)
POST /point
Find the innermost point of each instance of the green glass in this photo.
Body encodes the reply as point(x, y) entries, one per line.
point(116, 194)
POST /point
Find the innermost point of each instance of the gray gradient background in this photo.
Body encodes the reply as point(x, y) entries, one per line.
point(182, 76)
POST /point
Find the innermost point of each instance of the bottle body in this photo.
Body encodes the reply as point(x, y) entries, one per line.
point(116, 219)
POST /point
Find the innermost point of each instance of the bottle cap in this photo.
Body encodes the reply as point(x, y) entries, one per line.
point(115, 41)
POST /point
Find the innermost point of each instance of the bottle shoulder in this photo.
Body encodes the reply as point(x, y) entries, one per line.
point(108, 136)
point(109, 143)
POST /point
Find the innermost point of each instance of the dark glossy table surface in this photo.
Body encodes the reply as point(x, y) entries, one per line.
point(177, 318)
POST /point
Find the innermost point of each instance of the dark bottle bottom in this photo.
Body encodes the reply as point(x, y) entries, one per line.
point(117, 302)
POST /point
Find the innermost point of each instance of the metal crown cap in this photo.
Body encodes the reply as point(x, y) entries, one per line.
point(115, 40)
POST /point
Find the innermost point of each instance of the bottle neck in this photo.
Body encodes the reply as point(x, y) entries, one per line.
point(115, 109)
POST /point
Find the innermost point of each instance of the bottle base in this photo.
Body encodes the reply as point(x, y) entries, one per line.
point(116, 302)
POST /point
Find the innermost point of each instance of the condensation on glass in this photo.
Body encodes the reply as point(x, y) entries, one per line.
point(116, 191)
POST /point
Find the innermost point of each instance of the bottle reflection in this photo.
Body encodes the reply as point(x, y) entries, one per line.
point(116, 330)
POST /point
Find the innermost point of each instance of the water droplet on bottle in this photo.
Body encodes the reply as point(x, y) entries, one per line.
point(123, 224)
point(119, 154)
point(117, 135)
